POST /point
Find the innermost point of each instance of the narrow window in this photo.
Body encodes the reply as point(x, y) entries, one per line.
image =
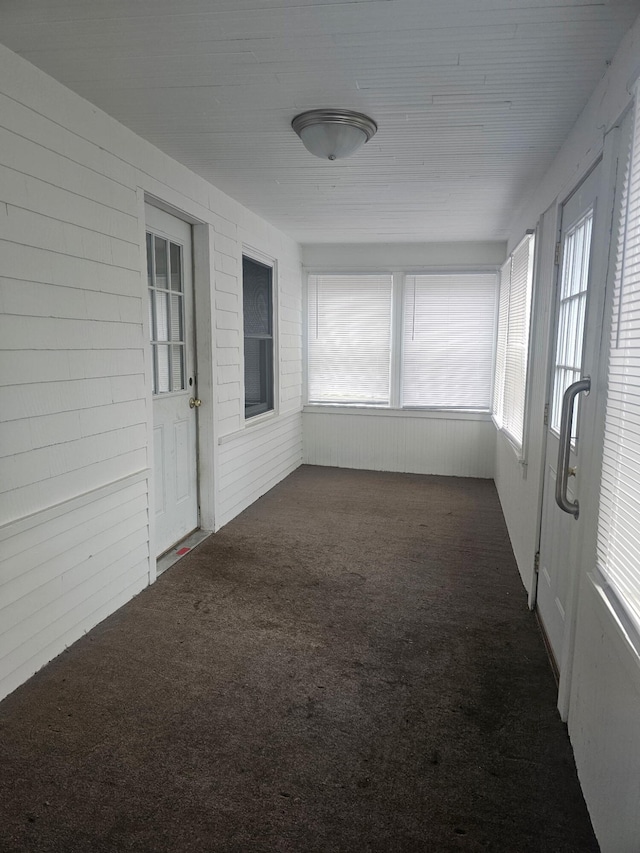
point(512, 350)
point(257, 297)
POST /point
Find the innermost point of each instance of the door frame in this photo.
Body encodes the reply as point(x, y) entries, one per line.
point(600, 252)
point(203, 325)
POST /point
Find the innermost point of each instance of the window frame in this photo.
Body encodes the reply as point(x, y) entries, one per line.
point(401, 339)
point(307, 316)
point(517, 443)
point(399, 275)
point(269, 408)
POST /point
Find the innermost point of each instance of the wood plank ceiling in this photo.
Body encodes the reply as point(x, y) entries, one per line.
point(473, 98)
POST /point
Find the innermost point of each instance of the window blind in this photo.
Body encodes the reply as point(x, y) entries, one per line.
point(513, 341)
point(349, 339)
point(501, 342)
point(448, 340)
point(619, 514)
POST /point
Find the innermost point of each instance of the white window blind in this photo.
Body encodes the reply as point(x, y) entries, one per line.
point(501, 342)
point(619, 514)
point(513, 341)
point(448, 340)
point(349, 340)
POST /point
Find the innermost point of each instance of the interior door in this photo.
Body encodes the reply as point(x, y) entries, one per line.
point(574, 356)
point(170, 293)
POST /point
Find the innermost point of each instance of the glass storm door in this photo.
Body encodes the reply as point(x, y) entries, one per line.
point(572, 360)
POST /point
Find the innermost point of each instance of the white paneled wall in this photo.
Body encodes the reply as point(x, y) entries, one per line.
point(399, 441)
point(519, 485)
point(65, 569)
point(253, 461)
point(75, 438)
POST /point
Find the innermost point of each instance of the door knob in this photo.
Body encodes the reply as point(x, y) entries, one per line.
point(194, 403)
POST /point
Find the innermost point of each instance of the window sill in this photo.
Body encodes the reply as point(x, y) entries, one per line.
point(265, 419)
point(625, 632)
point(517, 449)
point(386, 412)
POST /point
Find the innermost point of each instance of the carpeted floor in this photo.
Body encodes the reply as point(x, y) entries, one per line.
point(348, 666)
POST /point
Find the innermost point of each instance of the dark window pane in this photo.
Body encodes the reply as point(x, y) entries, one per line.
point(257, 292)
point(256, 289)
point(258, 375)
point(149, 261)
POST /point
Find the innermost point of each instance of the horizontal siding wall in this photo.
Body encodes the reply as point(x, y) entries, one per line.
point(253, 461)
point(66, 568)
point(416, 445)
point(75, 400)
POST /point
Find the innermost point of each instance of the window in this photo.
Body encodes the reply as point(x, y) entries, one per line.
point(349, 337)
point(436, 335)
point(257, 299)
point(448, 341)
point(166, 314)
point(516, 278)
point(618, 551)
point(574, 280)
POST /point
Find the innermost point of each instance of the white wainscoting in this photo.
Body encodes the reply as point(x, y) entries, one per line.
point(65, 568)
point(458, 445)
point(252, 461)
point(603, 721)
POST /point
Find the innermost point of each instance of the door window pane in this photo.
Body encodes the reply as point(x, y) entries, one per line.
point(160, 262)
point(162, 358)
point(166, 315)
point(572, 305)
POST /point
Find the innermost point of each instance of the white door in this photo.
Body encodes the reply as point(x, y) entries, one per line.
point(574, 357)
point(170, 292)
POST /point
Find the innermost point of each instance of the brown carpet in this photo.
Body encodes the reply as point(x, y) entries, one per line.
point(348, 666)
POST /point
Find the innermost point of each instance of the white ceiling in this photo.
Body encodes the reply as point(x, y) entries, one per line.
point(473, 98)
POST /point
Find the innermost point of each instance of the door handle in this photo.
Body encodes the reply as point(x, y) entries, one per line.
point(194, 403)
point(564, 471)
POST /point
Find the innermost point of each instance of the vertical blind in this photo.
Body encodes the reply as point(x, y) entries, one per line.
point(448, 340)
point(619, 513)
point(349, 339)
point(513, 341)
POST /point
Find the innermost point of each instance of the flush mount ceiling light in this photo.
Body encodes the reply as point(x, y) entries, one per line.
point(332, 134)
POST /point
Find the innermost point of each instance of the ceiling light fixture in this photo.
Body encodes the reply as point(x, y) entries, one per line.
point(333, 134)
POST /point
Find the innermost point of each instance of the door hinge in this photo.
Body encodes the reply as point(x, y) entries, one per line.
point(556, 257)
point(536, 562)
point(546, 414)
